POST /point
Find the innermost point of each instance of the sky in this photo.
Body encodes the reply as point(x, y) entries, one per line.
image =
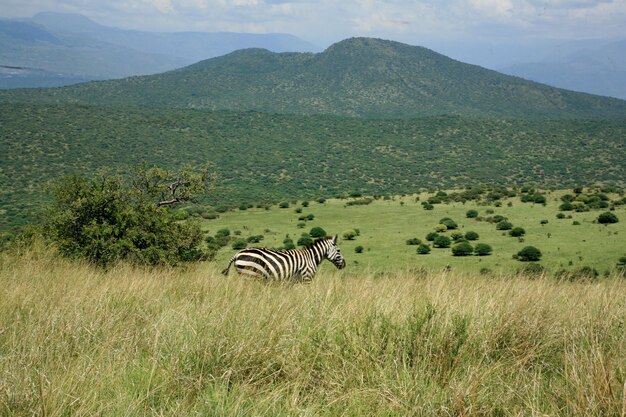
point(524, 24)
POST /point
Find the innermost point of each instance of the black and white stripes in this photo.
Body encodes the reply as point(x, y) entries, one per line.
point(287, 264)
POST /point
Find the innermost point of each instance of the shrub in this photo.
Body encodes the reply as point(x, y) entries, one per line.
point(576, 223)
point(607, 218)
point(431, 236)
point(283, 204)
point(567, 206)
point(560, 216)
point(110, 219)
point(504, 225)
point(209, 215)
point(517, 232)
point(462, 249)
point(321, 200)
point(317, 232)
point(442, 242)
point(427, 206)
point(301, 225)
point(310, 216)
point(482, 249)
point(471, 235)
point(450, 224)
point(239, 244)
point(544, 221)
point(359, 249)
point(413, 241)
point(349, 234)
point(288, 244)
point(255, 238)
point(423, 249)
point(471, 214)
point(456, 236)
point(441, 228)
point(528, 254)
point(305, 240)
point(223, 232)
point(305, 204)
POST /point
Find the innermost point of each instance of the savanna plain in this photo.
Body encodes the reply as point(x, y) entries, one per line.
point(393, 334)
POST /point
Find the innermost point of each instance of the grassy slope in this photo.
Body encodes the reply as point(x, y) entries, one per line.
point(386, 225)
point(80, 341)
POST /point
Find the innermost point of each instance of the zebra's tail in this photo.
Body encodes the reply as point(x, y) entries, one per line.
point(225, 271)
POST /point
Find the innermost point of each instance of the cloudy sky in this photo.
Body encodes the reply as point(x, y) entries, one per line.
point(322, 22)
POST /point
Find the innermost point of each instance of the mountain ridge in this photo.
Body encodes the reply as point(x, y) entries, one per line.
point(356, 77)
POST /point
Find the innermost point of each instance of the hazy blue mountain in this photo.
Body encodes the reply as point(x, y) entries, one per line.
point(593, 66)
point(77, 48)
point(360, 77)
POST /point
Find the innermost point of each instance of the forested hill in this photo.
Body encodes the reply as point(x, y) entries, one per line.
point(357, 77)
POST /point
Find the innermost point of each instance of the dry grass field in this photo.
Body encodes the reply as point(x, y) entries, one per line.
point(75, 340)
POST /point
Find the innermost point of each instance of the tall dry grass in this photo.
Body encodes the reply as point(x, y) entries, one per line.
point(75, 340)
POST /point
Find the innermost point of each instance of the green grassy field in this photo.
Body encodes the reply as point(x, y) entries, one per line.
point(81, 341)
point(385, 225)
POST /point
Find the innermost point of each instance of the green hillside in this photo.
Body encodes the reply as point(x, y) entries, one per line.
point(266, 158)
point(357, 77)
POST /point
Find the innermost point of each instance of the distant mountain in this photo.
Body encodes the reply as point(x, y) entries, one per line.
point(357, 77)
point(592, 67)
point(77, 48)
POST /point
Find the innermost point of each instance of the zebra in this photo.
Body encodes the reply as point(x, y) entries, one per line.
point(287, 264)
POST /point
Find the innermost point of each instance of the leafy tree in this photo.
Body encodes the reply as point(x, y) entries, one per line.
point(529, 253)
point(110, 218)
point(462, 249)
point(471, 235)
point(482, 249)
point(607, 218)
point(431, 236)
point(442, 242)
point(317, 232)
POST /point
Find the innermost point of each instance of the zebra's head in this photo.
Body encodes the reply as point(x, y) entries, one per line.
point(333, 253)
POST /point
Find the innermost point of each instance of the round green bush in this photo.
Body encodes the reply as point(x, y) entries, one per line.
point(607, 218)
point(423, 249)
point(239, 244)
point(359, 249)
point(482, 249)
point(471, 235)
point(462, 249)
point(504, 225)
point(450, 224)
point(471, 214)
point(283, 204)
point(349, 234)
point(529, 254)
point(305, 240)
point(517, 232)
point(442, 242)
point(413, 241)
point(317, 232)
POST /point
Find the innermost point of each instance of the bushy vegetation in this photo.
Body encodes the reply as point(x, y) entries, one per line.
point(109, 218)
point(529, 253)
point(41, 142)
